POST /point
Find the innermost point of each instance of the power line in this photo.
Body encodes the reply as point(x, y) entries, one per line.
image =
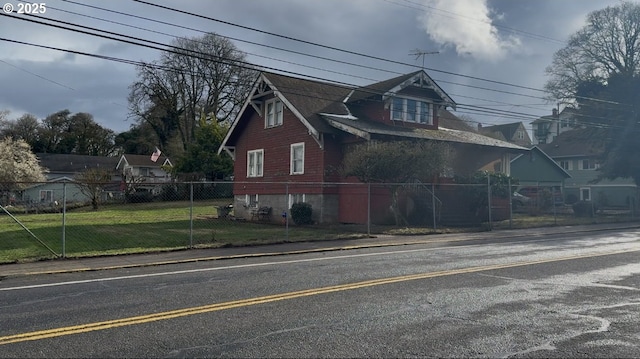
point(38, 76)
point(331, 47)
point(173, 49)
point(169, 50)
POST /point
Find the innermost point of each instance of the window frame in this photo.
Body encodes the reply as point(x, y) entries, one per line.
point(248, 200)
point(592, 164)
point(294, 196)
point(254, 166)
point(421, 112)
point(48, 195)
point(566, 165)
point(275, 118)
point(292, 159)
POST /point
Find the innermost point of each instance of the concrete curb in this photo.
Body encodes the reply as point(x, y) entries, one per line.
point(142, 260)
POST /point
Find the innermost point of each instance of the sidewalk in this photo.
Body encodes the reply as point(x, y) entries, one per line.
point(198, 255)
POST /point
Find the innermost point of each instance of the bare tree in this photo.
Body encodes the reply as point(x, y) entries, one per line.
point(92, 182)
point(608, 44)
point(197, 77)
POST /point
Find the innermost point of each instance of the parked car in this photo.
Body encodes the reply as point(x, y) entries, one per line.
point(534, 192)
point(518, 200)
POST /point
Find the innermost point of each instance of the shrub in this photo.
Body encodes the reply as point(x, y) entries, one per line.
point(301, 213)
point(140, 197)
point(571, 199)
point(584, 208)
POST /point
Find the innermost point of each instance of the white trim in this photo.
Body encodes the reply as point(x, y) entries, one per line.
point(429, 83)
point(312, 130)
point(247, 102)
point(291, 158)
point(582, 197)
point(278, 117)
point(405, 110)
point(291, 197)
point(257, 169)
point(247, 200)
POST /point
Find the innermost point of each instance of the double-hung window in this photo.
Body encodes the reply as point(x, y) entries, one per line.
point(566, 165)
point(297, 158)
point(409, 110)
point(273, 113)
point(589, 164)
point(255, 160)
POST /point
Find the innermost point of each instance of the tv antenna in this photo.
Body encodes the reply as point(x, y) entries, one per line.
point(422, 53)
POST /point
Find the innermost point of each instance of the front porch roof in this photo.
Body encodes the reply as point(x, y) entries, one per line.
point(368, 129)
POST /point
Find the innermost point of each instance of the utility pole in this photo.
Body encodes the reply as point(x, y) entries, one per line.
point(422, 53)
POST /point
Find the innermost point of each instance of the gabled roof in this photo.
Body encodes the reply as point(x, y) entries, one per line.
point(579, 142)
point(67, 163)
point(508, 130)
point(323, 107)
point(446, 119)
point(305, 98)
point(143, 161)
point(392, 86)
point(554, 164)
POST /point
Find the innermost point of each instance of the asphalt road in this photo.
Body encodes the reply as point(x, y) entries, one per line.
point(567, 295)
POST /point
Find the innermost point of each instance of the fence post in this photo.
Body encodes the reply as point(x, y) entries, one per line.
point(369, 209)
point(64, 219)
point(510, 204)
point(433, 205)
point(553, 203)
point(489, 199)
point(191, 215)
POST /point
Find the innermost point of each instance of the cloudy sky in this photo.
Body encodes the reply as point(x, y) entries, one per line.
point(488, 55)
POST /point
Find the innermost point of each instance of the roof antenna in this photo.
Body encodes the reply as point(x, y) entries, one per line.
point(422, 53)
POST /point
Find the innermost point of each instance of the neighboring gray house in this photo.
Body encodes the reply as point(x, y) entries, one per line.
point(547, 128)
point(511, 132)
point(536, 168)
point(578, 156)
point(62, 168)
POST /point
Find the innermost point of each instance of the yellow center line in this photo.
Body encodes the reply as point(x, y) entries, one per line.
point(89, 327)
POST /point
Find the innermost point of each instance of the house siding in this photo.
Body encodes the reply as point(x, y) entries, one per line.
point(277, 182)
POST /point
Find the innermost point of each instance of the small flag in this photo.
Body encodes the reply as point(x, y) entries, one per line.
point(155, 155)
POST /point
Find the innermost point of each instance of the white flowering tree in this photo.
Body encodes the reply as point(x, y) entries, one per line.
point(18, 165)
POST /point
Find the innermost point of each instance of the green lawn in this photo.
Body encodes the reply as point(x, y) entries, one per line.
point(147, 227)
point(135, 228)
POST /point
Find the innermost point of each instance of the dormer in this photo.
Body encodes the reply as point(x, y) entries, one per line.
point(412, 99)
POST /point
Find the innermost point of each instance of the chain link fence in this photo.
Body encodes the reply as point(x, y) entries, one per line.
point(70, 219)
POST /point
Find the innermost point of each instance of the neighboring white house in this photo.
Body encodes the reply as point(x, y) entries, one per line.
point(547, 128)
point(143, 173)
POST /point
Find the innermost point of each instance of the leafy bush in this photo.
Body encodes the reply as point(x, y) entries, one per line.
point(571, 199)
point(584, 208)
point(169, 193)
point(301, 213)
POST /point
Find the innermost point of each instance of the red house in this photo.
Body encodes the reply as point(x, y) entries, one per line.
point(287, 141)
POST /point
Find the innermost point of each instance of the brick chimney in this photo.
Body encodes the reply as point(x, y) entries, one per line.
point(554, 112)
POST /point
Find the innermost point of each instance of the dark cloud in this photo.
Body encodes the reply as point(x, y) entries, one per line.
point(383, 29)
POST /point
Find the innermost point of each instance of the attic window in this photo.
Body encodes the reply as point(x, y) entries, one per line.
point(273, 113)
point(410, 110)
